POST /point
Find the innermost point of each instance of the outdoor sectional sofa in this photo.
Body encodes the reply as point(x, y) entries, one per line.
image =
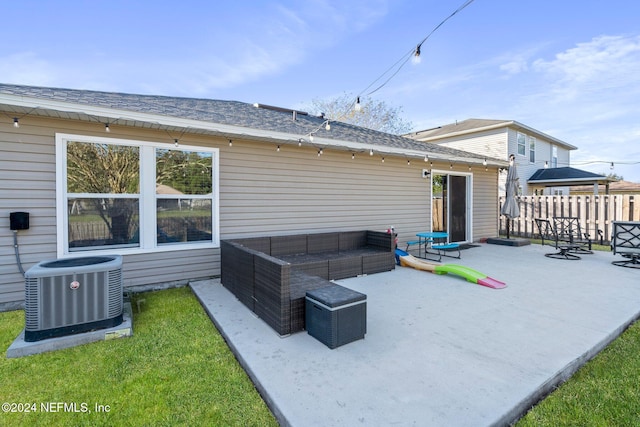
point(271, 275)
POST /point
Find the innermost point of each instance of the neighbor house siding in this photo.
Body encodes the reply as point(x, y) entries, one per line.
point(490, 143)
point(543, 154)
point(524, 167)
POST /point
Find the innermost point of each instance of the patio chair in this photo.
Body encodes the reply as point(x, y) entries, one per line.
point(569, 230)
point(625, 241)
point(548, 231)
point(545, 229)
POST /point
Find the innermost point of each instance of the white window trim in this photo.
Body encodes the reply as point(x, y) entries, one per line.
point(526, 148)
point(531, 139)
point(147, 203)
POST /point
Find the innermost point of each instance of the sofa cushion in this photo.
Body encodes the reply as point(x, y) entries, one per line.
point(288, 245)
point(323, 242)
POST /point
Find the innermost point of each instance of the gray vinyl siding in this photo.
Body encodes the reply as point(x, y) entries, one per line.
point(543, 153)
point(262, 192)
point(485, 203)
point(27, 183)
point(525, 168)
point(27, 169)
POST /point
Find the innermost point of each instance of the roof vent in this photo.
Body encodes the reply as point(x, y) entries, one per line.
point(282, 110)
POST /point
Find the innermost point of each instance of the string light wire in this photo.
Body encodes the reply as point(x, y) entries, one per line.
point(395, 68)
point(407, 56)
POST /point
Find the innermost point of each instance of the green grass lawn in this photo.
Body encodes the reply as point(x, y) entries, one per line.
point(604, 392)
point(175, 370)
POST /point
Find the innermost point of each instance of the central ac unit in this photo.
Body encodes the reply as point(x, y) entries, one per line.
point(69, 296)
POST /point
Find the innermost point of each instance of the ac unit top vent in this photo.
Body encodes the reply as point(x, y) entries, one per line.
point(74, 266)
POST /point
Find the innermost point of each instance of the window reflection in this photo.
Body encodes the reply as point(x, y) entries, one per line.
point(184, 220)
point(102, 168)
point(183, 172)
point(103, 222)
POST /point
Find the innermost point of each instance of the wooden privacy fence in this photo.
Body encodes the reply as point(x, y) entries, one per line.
point(594, 212)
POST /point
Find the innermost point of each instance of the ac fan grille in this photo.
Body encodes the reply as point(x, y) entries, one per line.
point(52, 302)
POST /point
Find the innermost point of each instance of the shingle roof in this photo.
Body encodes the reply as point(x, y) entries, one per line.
point(463, 126)
point(232, 113)
point(565, 176)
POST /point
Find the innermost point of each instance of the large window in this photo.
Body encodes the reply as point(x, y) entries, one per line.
point(131, 196)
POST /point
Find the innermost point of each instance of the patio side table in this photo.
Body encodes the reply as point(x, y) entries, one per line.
point(336, 315)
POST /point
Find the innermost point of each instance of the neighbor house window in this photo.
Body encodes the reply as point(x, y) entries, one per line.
point(132, 196)
point(554, 157)
point(522, 144)
point(532, 149)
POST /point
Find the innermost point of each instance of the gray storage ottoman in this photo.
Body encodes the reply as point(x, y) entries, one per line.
point(336, 315)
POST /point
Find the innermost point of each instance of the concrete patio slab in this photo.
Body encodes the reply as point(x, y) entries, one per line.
point(439, 350)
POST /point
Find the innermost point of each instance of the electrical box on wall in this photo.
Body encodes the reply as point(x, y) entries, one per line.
point(19, 220)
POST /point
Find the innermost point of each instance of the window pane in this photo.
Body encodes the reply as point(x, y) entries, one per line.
point(102, 168)
point(103, 222)
point(184, 220)
point(532, 149)
point(183, 172)
point(521, 144)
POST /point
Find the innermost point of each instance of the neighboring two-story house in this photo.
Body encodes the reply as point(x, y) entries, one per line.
point(542, 161)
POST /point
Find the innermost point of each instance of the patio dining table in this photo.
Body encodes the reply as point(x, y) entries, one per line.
point(426, 239)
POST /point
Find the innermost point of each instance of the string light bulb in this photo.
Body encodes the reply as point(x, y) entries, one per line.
point(175, 142)
point(383, 160)
point(107, 128)
point(353, 156)
point(426, 158)
point(16, 123)
point(484, 162)
point(311, 137)
point(546, 164)
point(371, 151)
point(327, 126)
point(278, 149)
point(357, 107)
point(416, 56)
point(299, 142)
point(408, 162)
point(230, 143)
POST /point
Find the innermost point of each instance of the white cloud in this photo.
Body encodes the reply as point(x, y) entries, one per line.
point(515, 67)
point(605, 65)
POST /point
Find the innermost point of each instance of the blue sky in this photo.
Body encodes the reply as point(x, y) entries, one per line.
point(569, 69)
